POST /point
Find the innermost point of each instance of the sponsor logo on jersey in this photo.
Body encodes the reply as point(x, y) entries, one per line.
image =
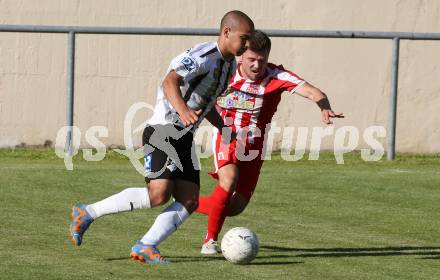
point(242, 95)
point(238, 100)
point(253, 88)
point(228, 102)
point(188, 63)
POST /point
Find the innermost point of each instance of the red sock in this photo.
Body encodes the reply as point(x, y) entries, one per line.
point(204, 205)
point(216, 218)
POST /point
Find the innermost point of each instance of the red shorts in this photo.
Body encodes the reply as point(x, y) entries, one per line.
point(247, 157)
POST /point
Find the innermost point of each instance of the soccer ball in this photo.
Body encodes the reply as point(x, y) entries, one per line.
point(240, 245)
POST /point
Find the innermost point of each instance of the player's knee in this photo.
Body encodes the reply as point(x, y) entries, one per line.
point(237, 205)
point(187, 194)
point(159, 197)
point(228, 177)
point(228, 182)
point(191, 205)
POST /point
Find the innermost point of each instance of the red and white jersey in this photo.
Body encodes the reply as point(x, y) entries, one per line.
point(252, 104)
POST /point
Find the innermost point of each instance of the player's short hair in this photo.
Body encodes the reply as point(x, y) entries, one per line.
point(259, 42)
point(231, 18)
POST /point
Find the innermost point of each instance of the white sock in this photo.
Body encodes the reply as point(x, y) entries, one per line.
point(165, 224)
point(127, 200)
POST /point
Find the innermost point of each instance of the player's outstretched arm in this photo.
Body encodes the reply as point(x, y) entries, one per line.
point(315, 94)
point(171, 89)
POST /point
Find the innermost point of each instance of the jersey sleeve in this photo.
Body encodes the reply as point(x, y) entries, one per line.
point(291, 81)
point(187, 65)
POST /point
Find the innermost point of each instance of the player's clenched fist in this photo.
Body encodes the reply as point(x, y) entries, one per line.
point(189, 117)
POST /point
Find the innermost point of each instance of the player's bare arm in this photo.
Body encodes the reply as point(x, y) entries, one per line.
point(216, 120)
point(316, 95)
point(171, 88)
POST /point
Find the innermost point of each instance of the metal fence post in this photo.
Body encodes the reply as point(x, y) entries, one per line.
point(393, 100)
point(70, 77)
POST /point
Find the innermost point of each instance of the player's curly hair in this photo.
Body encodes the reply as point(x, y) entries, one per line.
point(259, 42)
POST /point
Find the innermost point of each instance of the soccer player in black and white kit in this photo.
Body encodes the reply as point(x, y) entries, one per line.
point(186, 96)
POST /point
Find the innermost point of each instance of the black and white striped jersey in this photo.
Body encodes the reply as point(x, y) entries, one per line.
point(205, 74)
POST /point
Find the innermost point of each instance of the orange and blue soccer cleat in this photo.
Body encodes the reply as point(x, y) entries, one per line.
point(147, 253)
point(81, 221)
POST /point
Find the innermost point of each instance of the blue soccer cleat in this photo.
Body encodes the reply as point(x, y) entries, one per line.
point(81, 221)
point(147, 253)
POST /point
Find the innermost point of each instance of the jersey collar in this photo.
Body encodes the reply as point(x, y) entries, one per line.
point(223, 57)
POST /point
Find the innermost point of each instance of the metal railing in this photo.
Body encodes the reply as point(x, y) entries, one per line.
point(71, 31)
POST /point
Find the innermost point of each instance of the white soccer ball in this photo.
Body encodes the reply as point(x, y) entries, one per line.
point(240, 245)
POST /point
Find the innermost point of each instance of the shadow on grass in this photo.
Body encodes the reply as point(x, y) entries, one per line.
point(431, 258)
point(431, 252)
point(260, 260)
point(272, 254)
point(176, 259)
point(273, 263)
point(117, 259)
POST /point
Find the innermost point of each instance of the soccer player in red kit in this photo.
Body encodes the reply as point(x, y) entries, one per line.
point(248, 106)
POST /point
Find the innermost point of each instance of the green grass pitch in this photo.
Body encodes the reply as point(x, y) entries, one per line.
point(314, 219)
